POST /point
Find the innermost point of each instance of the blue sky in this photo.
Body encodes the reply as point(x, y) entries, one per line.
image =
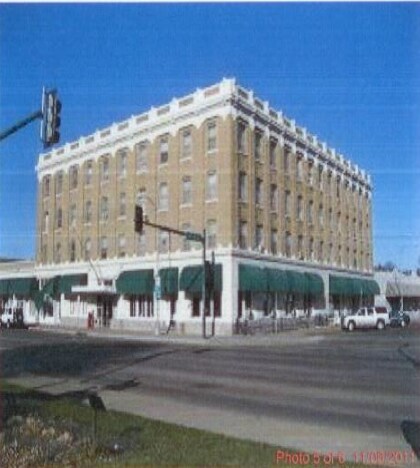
point(350, 73)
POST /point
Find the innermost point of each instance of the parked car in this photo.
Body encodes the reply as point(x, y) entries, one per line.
point(366, 317)
point(12, 317)
point(398, 318)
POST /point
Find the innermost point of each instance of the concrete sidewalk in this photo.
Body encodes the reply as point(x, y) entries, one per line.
point(282, 338)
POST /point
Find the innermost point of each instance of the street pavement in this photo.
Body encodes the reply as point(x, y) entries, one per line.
point(314, 390)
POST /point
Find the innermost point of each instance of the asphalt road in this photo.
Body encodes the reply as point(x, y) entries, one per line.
point(356, 393)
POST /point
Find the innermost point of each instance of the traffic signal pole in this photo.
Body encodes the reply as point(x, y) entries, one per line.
point(36, 115)
point(139, 221)
point(50, 115)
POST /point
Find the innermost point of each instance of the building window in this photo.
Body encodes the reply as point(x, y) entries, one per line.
point(74, 172)
point(186, 191)
point(123, 205)
point(164, 150)
point(321, 251)
point(310, 212)
point(259, 237)
point(122, 158)
point(258, 191)
point(273, 146)
point(72, 215)
point(163, 241)
point(141, 306)
point(186, 143)
point(141, 198)
point(59, 183)
point(299, 169)
point(273, 242)
point(288, 244)
point(46, 186)
point(299, 208)
point(186, 244)
point(88, 212)
point(321, 215)
point(163, 196)
point(243, 187)
point(286, 160)
point(140, 150)
point(104, 168)
point(211, 234)
point(44, 253)
point(57, 253)
point(273, 197)
point(59, 218)
point(311, 248)
point(311, 169)
point(104, 210)
point(141, 244)
point(258, 145)
point(330, 219)
point(241, 138)
point(121, 245)
point(72, 251)
point(87, 249)
point(300, 247)
point(104, 248)
point(211, 186)
point(320, 177)
point(243, 235)
point(88, 172)
point(338, 187)
point(287, 203)
point(46, 221)
point(211, 136)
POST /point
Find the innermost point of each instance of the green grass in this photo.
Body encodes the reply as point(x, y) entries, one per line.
point(147, 442)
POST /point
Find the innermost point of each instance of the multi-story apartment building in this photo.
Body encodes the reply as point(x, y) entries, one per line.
point(288, 218)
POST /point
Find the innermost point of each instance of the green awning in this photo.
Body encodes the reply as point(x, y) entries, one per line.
point(136, 282)
point(340, 286)
point(4, 287)
point(277, 280)
point(371, 287)
point(252, 278)
point(314, 284)
point(65, 283)
point(50, 289)
point(346, 286)
point(296, 282)
point(168, 281)
point(191, 280)
point(18, 286)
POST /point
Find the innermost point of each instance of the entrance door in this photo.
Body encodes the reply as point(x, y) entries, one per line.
point(104, 307)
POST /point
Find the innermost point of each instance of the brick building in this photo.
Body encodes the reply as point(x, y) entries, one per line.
point(289, 218)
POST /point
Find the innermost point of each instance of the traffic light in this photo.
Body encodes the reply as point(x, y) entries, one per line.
point(138, 219)
point(51, 120)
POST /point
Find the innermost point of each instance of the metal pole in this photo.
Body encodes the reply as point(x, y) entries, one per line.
point(204, 283)
point(213, 324)
point(21, 124)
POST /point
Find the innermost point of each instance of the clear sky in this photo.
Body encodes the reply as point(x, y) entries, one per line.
point(349, 73)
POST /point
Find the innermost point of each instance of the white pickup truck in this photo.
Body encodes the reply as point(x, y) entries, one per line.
point(366, 317)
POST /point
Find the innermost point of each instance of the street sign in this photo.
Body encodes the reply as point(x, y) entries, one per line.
point(193, 236)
